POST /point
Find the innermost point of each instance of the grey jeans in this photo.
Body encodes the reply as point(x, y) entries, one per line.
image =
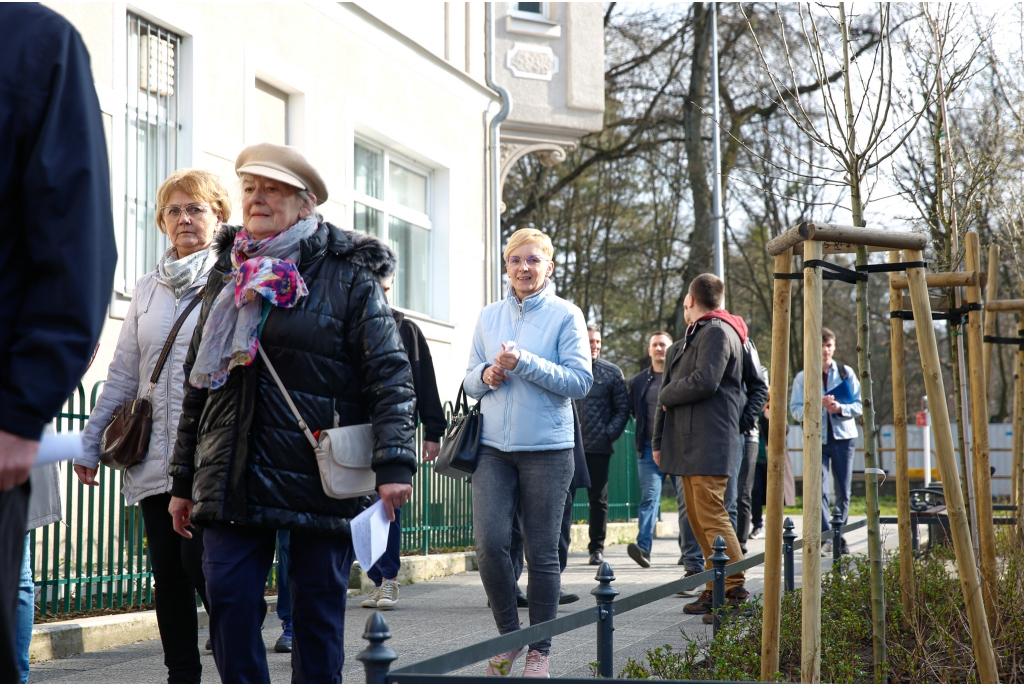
point(538, 482)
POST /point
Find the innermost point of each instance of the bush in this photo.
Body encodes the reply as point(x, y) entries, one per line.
point(934, 645)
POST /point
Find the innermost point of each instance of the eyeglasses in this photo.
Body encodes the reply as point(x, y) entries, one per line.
point(532, 261)
point(174, 211)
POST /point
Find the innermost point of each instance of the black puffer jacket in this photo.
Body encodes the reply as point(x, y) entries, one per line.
point(605, 410)
point(239, 454)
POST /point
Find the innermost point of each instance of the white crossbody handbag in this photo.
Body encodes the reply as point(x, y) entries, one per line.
point(343, 454)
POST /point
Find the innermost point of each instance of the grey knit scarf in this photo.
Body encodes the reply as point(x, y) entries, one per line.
point(180, 274)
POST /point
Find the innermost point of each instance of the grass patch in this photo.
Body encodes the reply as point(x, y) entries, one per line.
point(858, 506)
point(933, 645)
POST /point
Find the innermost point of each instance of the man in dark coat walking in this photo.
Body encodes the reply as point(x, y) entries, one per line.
point(57, 256)
point(696, 427)
point(603, 415)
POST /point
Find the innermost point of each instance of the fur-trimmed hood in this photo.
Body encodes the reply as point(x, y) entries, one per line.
point(364, 250)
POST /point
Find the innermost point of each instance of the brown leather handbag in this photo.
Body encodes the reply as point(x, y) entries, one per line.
point(125, 440)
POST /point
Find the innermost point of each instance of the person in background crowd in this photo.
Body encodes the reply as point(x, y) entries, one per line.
point(838, 432)
point(192, 204)
point(528, 361)
point(308, 295)
point(57, 258)
point(284, 594)
point(696, 428)
point(761, 478)
point(384, 573)
point(741, 480)
point(603, 415)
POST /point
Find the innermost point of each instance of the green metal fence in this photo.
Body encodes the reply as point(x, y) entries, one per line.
point(96, 558)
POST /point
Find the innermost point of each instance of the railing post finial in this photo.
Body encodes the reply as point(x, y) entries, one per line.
point(788, 538)
point(605, 594)
point(837, 533)
point(377, 657)
point(718, 561)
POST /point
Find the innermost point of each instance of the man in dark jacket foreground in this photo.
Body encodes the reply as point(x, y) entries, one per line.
point(603, 415)
point(57, 257)
point(696, 427)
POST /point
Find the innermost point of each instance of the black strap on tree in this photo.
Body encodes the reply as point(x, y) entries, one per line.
point(997, 340)
point(834, 272)
point(896, 266)
point(957, 315)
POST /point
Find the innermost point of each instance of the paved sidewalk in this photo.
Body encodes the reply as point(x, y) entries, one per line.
point(447, 613)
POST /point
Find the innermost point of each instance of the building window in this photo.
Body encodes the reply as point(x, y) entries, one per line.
point(390, 201)
point(151, 140)
point(271, 114)
point(534, 8)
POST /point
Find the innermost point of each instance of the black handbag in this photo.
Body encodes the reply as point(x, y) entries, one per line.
point(461, 444)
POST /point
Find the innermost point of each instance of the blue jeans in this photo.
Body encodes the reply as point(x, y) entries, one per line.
point(284, 560)
point(389, 563)
point(839, 455)
point(693, 557)
point(236, 561)
point(26, 611)
point(536, 482)
point(732, 488)
point(651, 482)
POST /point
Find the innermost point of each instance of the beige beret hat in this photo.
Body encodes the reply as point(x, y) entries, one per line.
point(282, 163)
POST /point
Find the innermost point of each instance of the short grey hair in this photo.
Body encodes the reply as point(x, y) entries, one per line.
point(309, 203)
point(594, 328)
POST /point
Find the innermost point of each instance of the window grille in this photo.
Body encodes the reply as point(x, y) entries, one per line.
point(151, 140)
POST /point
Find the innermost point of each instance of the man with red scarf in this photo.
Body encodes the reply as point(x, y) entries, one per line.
point(696, 427)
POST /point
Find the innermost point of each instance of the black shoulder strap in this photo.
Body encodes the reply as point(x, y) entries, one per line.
point(842, 371)
point(174, 334)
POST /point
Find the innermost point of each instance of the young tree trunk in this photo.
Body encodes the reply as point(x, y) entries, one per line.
point(864, 364)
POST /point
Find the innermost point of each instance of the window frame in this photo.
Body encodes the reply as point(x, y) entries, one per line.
point(543, 15)
point(391, 208)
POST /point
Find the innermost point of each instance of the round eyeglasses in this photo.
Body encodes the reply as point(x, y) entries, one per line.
point(174, 211)
point(532, 261)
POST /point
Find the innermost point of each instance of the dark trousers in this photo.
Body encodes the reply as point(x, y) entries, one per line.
point(745, 488)
point(236, 562)
point(597, 465)
point(13, 512)
point(389, 563)
point(178, 575)
point(516, 548)
point(759, 495)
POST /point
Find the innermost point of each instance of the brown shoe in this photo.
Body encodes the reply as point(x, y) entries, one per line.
point(689, 593)
point(701, 606)
point(735, 601)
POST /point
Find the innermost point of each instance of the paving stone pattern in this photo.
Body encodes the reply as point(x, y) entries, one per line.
point(447, 613)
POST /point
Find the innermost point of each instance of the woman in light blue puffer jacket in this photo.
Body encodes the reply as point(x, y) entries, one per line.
point(530, 359)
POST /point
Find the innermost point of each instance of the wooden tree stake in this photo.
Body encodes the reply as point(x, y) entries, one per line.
point(979, 444)
point(810, 634)
point(777, 452)
point(991, 294)
point(981, 638)
point(899, 409)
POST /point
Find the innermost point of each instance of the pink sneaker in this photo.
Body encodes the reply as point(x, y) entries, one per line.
point(501, 665)
point(536, 665)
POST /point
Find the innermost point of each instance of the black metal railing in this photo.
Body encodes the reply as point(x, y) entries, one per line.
point(377, 658)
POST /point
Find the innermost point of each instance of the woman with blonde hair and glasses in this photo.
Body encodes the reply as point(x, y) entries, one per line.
point(192, 204)
point(530, 358)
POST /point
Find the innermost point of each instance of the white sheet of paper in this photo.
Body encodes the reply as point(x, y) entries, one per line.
point(59, 447)
point(370, 535)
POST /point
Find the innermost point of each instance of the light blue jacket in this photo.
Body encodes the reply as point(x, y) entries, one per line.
point(844, 424)
point(532, 409)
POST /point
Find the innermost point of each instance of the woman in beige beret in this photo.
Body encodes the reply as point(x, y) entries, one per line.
point(309, 294)
point(192, 204)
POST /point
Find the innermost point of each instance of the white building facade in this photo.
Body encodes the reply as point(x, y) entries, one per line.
point(388, 100)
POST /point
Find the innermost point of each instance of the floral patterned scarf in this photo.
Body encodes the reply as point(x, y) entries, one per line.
point(261, 270)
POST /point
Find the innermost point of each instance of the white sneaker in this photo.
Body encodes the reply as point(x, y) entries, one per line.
point(388, 595)
point(826, 548)
point(536, 665)
point(371, 601)
point(756, 534)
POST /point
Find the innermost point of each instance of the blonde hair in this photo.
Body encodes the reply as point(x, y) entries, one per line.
point(201, 186)
point(529, 235)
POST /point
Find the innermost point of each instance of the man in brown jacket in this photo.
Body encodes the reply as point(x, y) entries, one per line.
point(696, 426)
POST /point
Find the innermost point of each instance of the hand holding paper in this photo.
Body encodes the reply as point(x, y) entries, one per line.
point(370, 535)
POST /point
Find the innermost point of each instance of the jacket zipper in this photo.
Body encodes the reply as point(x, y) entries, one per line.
point(508, 401)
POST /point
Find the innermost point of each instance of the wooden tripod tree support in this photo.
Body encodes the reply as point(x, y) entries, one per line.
point(944, 455)
point(778, 407)
point(808, 239)
point(979, 426)
point(908, 585)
